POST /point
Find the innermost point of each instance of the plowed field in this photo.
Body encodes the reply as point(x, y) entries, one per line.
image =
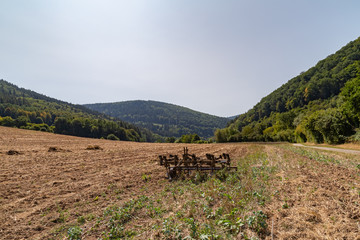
point(49, 182)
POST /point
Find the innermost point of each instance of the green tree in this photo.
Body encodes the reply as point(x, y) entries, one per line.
point(7, 121)
point(62, 125)
point(351, 94)
point(333, 125)
point(21, 121)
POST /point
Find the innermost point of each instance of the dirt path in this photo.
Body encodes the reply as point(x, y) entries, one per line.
point(329, 149)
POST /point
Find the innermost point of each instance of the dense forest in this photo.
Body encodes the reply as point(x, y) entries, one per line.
point(320, 105)
point(27, 109)
point(165, 119)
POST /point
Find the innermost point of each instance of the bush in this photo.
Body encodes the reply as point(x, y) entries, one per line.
point(22, 121)
point(356, 137)
point(112, 137)
point(7, 121)
point(170, 140)
point(221, 135)
point(39, 127)
point(189, 138)
point(330, 126)
point(74, 233)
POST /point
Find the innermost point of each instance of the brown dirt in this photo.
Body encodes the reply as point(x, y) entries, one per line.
point(41, 190)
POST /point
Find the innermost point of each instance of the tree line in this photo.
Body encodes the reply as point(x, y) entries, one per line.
point(28, 110)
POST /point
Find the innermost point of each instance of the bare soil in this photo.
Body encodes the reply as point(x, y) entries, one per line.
point(50, 180)
point(56, 178)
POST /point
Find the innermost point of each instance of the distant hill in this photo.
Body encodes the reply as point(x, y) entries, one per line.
point(27, 109)
point(232, 117)
point(320, 105)
point(165, 119)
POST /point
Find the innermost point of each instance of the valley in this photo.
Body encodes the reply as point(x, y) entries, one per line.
point(179, 120)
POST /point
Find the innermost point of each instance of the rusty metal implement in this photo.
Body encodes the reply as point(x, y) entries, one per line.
point(190, 162)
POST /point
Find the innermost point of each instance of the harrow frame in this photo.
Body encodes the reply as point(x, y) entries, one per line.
point(190, 162)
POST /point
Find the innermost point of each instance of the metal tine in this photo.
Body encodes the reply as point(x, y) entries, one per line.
point(190, 162)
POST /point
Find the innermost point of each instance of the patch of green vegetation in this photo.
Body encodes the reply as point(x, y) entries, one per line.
point(146, 177)
point(202, 206)
point(81, 220)
point(314, 155)
point(118, 217)
point(63, 215)
point(74, 233)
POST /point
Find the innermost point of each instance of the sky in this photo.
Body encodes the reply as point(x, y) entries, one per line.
point(219, 57)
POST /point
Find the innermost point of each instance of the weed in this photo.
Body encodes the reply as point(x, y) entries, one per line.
point(81, 220)
point(193, 226)
point(208, 232)
point(199, 177)
point(170, 230)
point(145, 177)
point(257, 222)
point(74, 233)
point(44, 213)
point(119, 216)
point(90, 217)
point(62, 216)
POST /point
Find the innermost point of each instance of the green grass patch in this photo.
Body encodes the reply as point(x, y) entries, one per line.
point(219, 206)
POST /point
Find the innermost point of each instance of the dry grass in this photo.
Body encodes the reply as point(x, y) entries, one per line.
point(349, 146)
point(321, 197)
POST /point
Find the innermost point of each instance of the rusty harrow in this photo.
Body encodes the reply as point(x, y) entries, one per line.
point(190, 162)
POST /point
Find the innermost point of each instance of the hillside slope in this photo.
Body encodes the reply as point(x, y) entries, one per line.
point(27, 109)
point(319, 105)
point(162, 118)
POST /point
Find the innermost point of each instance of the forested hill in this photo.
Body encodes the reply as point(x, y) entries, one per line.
point(320, 105)
point(27, 109)
point(165, 119)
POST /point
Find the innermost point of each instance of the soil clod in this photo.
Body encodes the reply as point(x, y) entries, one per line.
point(94, 147)
point(13, 152)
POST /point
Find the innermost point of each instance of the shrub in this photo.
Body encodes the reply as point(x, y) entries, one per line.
point(170, 140)
point(74, 233)
point(355, 137)
point(112, 137)
point(7, 121)
point(189, 138)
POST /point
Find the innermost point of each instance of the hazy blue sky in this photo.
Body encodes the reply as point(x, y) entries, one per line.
point(219, 57)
